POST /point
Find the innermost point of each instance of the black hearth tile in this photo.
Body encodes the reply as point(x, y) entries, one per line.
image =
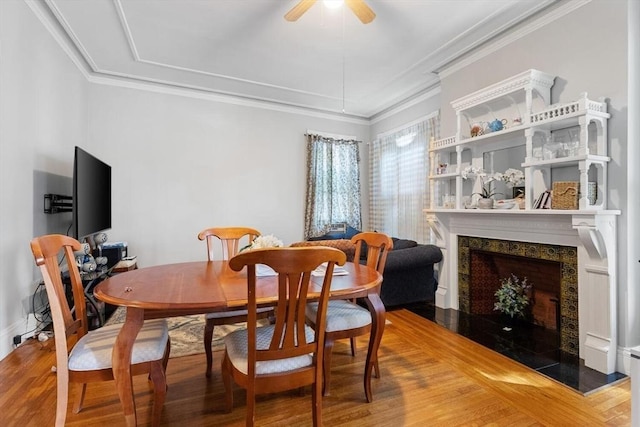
point(531, 345)
point(530, 339)
point(580, 377)
point(534, 360)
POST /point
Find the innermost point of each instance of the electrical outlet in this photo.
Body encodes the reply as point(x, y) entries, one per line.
point(17, 340)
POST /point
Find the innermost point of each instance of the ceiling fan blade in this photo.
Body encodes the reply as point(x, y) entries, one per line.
point(298, 10)
point(362, 11)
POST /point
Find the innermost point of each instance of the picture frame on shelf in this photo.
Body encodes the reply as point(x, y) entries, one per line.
point(517, 192)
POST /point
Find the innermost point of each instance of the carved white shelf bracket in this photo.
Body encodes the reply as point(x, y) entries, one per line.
point(593, 231)
point(435, 226)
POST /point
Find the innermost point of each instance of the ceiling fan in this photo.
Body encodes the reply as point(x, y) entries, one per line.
point(359, 7)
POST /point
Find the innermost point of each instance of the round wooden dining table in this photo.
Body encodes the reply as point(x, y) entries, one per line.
point(201, 287)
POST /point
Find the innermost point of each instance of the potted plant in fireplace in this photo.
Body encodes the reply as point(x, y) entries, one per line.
point(513, 298)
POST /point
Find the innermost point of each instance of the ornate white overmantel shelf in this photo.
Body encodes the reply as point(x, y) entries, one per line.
point(593, 233)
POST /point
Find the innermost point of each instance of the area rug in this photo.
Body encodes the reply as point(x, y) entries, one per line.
point(186, 332)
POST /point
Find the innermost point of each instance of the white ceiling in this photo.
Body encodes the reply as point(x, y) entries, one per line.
point(327, 60)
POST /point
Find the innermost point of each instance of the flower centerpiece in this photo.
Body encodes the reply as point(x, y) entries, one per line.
point(263, 242)
point(513, 297)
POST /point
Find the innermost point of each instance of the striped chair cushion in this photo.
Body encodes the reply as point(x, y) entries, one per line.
point(341, 315)
point(237, 350)
point(223, 314)
point(93, 351)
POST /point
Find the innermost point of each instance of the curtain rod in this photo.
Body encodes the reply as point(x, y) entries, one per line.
point(332, 136)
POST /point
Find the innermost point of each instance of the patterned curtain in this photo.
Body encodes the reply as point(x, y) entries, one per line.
point(399, 171)
point(333, 184)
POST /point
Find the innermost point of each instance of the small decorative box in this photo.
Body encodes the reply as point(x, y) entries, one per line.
point(565, 195)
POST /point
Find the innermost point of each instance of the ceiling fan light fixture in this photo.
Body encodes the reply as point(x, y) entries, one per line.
point(358, 7)
point(333, 4)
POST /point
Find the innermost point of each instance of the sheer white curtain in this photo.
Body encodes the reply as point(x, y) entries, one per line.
point(398, 187)
point(333, 184)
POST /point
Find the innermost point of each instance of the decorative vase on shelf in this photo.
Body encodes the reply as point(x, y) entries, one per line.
point(485, 203)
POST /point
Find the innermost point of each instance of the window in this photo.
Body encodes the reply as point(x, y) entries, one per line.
point(399, 168)
point(333, 184)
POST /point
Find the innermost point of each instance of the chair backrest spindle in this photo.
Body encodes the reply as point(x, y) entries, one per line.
point(378, 246)
point(229, 238)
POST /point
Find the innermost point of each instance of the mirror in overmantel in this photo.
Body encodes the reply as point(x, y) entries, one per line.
point(500, 161)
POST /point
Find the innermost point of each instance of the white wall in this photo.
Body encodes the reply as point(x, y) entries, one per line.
point(43, 114)
point(182, 164)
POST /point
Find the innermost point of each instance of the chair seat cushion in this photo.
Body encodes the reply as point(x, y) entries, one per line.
point(341, 315)
point(237, 349)
point(93, 351)
point(223, 314)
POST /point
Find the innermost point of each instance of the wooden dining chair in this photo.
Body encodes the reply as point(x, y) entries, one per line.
point(287, 354)
point(347, 319)
point(230, 239)
point(87, 357)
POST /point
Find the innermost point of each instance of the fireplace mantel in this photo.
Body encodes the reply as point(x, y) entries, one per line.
point(593, 227)
point(593, 233)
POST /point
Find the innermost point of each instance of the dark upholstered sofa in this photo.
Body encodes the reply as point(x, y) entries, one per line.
point(409, 273)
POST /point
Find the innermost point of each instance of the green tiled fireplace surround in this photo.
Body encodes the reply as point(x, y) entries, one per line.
point(566, 255)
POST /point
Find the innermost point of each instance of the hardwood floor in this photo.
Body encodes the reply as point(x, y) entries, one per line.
point(430, 376)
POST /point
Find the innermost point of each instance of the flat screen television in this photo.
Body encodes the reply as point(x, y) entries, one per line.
point(91, 195)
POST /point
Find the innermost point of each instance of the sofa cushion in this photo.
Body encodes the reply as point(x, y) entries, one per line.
point(403, 243)
point(344, 245)
point(333, 235)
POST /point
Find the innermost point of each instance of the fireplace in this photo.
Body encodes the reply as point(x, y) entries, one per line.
point(583, 242)
point(550, 269)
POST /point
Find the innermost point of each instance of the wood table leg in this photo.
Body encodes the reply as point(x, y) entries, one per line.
point(122, 362)
point(378, 315)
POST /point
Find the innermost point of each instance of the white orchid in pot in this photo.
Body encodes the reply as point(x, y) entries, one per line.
point(485, 192)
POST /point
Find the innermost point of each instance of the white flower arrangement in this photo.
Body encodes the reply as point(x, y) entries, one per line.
point(261, 242)
point(470, 172)
point(513, 177)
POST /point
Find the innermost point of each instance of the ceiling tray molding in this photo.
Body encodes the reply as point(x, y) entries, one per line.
point(45, 13)
point(196, 93)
